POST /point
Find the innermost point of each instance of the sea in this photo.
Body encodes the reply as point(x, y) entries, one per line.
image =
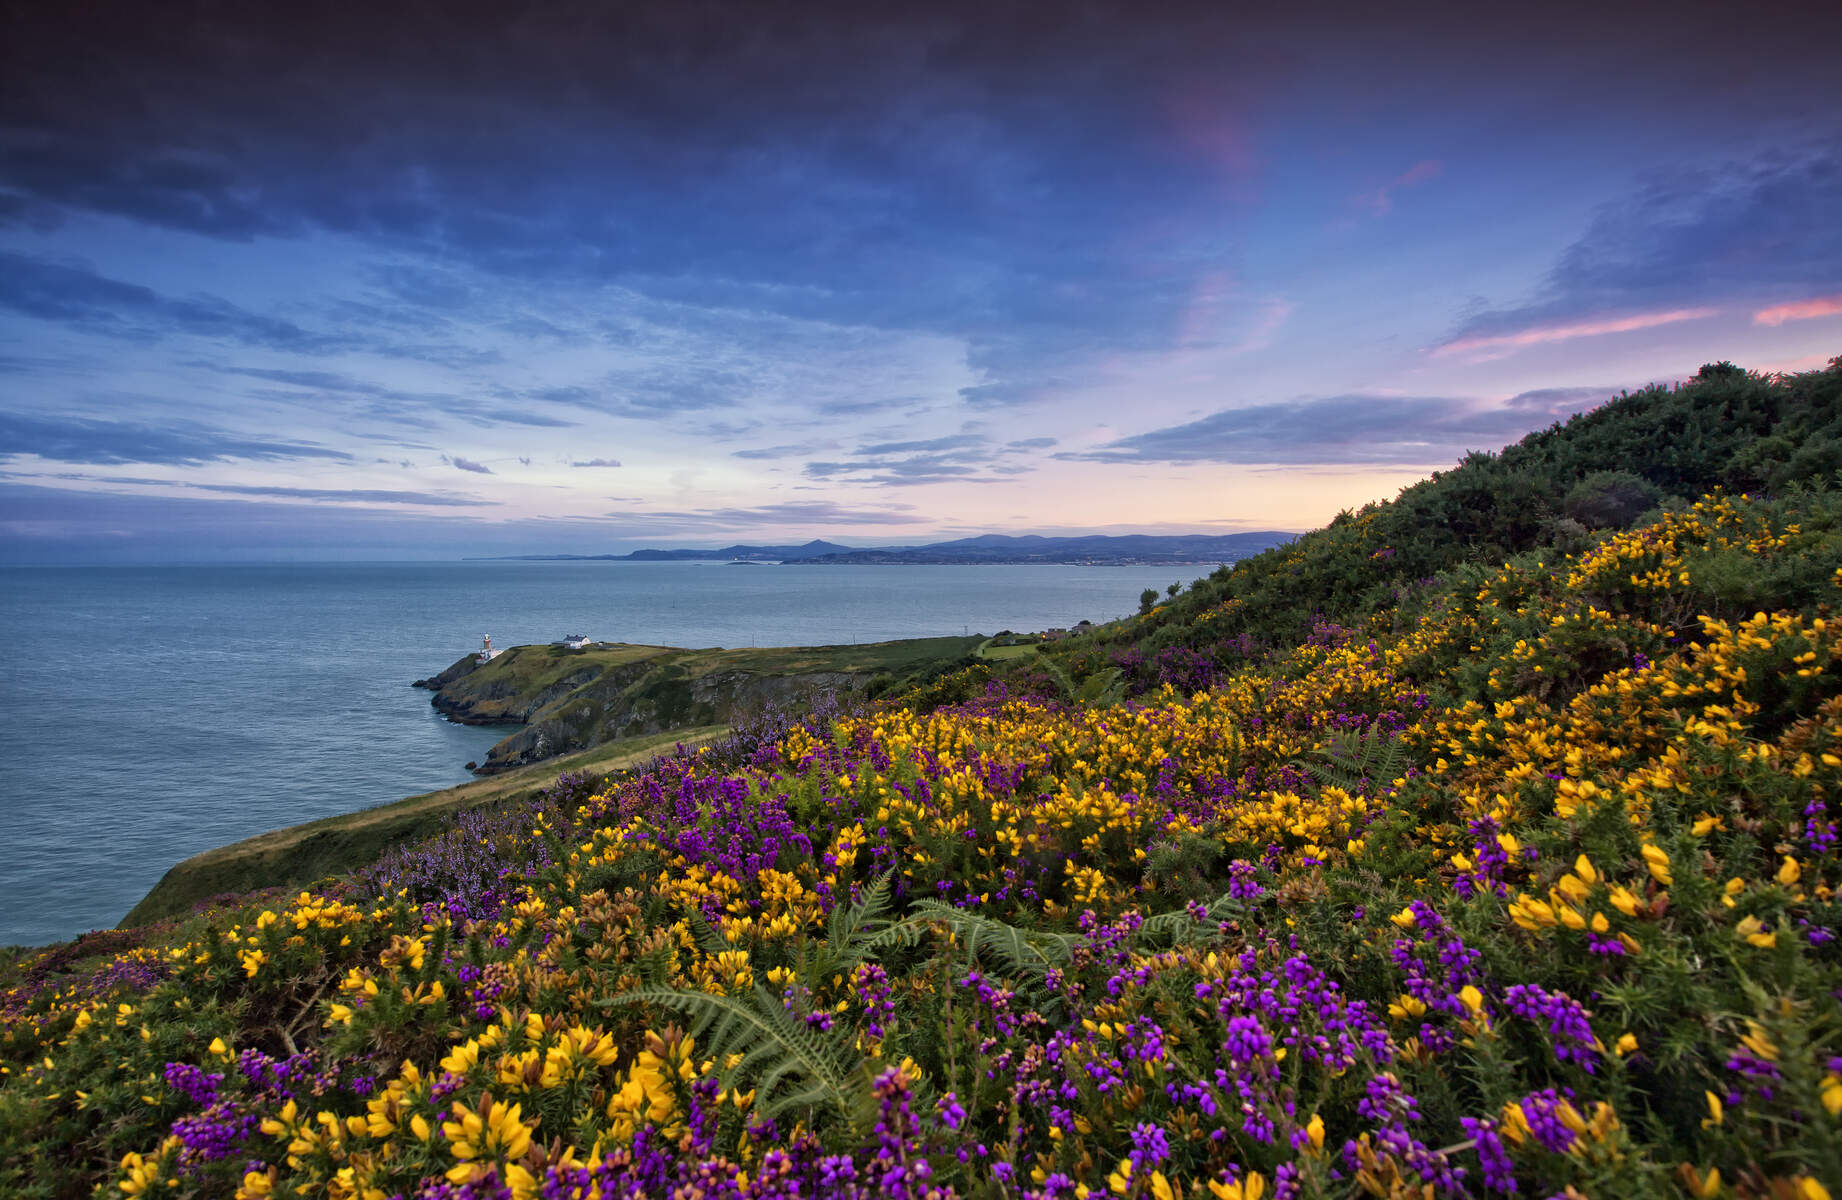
point(155, 712)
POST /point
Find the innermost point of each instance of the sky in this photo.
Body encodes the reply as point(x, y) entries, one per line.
point(388, 281)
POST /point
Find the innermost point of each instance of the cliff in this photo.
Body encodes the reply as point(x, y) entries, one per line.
point(571, 700)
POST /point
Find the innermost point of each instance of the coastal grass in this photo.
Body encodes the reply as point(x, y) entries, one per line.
point(1002, 653)
point(303, 854)
point(570, 700)
point(524, 670)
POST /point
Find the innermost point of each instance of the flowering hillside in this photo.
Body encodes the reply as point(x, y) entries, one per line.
point(1522, 883)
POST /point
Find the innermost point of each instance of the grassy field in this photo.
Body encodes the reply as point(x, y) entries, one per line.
point(301, 854)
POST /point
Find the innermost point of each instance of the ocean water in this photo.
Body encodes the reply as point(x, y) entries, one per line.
point(155, 712)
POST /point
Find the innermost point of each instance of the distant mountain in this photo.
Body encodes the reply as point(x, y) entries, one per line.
point(811, 549)
point(1101, 549)
point(985, 548)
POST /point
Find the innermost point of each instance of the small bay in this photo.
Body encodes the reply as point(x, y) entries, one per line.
point(155, 712)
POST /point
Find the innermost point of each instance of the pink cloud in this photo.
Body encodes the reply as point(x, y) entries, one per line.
point(1380, 202)
point(1799, 310)
point(1793, 366)
point(1504, 343)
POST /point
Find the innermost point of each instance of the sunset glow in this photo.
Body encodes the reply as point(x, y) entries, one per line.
point(1803, 310)
point(548, 279)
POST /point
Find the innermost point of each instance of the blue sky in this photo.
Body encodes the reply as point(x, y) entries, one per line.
point(336, 281)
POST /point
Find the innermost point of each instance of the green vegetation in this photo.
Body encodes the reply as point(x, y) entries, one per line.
point(311, 852)
point(1485, 843)
point(570, 700)
point(1725, 430)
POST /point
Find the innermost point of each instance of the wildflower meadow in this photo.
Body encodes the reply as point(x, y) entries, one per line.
point(1515, 878)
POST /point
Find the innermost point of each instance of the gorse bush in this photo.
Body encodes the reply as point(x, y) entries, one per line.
point(1519, 882)
point(1724, 430)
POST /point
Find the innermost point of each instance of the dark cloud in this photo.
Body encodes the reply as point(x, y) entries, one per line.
point(859, 408)
point(1046, 190)
point(596, 462)
point(467, 464)
point(1685, 240)
point(900, 472)
point(956, 441)
point(963, 457)
point(88, 477)
point(1351, 429)
point(393, 404)
point(1035, 443)
point(790, 450)
point(72, 294)
point(895, 169)
point(1008, 394)
point(173, 441)
point(345, 496)
point(653, 393)
point(511, 416)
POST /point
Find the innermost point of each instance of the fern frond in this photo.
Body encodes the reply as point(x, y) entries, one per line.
point(1357, 760)
point(1034, 951)
point(851, 924)
point(792, 1065)
point(1054, 671)
point(1180, 927)
point(1103, 689)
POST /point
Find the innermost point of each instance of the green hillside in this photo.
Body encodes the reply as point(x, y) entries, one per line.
point(1484, 843)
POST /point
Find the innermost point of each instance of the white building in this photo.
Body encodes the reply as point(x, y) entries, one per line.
point(487, 653)
point(574, 641)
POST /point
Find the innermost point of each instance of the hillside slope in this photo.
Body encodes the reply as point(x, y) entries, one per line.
point(569, 700)
point(1519, 882)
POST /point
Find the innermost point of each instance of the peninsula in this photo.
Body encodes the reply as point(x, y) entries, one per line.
point(569, 698)
point(1104, 550)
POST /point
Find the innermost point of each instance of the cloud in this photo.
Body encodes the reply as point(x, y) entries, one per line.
point(596, 462)
point(467, 464)
point(511, 416)
point(1348, 429)
point(1035, 443)
point(1380, 201)
point(173, 442)
point(788, 450)
point(1677, 247)
point(345, 496)
point(653, 393)
point(1009, 393)
point(392, 404)
point(858, 408)
point(964, 457)
point(71, 294)
point(900, 472)
point(1494, 345)
point(1799, 310)
point(956, 441)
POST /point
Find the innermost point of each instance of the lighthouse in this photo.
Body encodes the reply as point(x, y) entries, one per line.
point(487, 653)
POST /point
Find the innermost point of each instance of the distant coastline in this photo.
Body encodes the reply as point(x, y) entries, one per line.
point(1126, 550)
